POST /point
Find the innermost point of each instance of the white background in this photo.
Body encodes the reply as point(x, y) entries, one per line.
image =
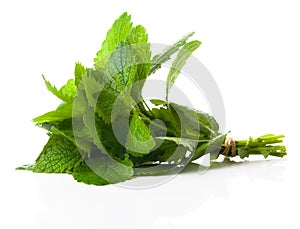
point(251, 48)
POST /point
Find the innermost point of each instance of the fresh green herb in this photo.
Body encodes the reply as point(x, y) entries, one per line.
point(104, 132)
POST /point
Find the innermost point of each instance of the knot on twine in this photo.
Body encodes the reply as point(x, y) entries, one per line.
point(229, 147)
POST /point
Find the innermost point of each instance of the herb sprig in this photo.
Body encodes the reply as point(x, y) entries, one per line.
point(104, 132)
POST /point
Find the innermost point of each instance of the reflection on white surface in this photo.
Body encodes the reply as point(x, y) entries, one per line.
point(72, 205)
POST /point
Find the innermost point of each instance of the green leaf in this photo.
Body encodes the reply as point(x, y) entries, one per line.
point(58, 156)
point(61, 113)
point(136, 35)
point(138, 38)
point(121, 68)
point(66, 93)
point(68, 133)
point(265, 153)
point(209, 121)
point(158, 102)
point(200, 151)
point(184, 53)
point(139, 140)
point(190, 144)
point(65, 128)
point(91, 120)
point(191, 120)
point(53, 89)
point(69, 90)
point(161, 153)
point(92, 89)
point(79, 72)
point(213, 147)
point(85, 132)
point(117, 33)
point(121, 74)
point(105, 104)
point(127, 60)
point(174, 159)
point(194, 118)
point(243, 153)
point(102, 171)
point(61, 125)
point(143, 55)
point(171, 122)
point(108, 139)
point(83, 173)
point(166, 54)
point(82, 137)
point(26, 167)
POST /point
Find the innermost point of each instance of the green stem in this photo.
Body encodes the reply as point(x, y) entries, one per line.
point(146, 105)
point(265, 145)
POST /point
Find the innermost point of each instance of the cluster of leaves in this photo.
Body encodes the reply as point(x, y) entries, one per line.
point(106, 99)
